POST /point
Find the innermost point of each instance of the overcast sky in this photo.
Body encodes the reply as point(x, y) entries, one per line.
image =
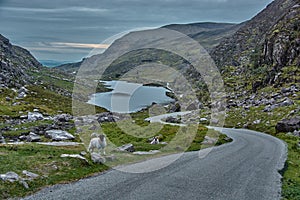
point(67, 30)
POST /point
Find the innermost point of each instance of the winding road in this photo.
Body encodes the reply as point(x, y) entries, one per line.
point(244, 169)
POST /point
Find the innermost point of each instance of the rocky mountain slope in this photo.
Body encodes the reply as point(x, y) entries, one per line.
point(237, 50)
point(15, 62)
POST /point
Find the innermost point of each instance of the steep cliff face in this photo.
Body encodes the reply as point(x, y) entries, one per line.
point(247, 42)
point(15, 62)
point(282, 44)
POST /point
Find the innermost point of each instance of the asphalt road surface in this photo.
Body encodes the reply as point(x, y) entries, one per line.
point(247, 168)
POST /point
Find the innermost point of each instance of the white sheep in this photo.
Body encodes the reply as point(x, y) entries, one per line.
point(98, 143)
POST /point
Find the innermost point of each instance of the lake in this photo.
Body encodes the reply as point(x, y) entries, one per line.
point(128, 97)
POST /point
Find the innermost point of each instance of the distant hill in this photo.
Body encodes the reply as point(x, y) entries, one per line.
point(52, 63)
point(207, 34)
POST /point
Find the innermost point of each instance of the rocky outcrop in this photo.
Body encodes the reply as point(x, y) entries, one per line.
point(126, 148)
point(288, 125)
point(59, 135)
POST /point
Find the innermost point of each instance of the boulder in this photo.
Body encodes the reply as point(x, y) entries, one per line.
point(29, 175)
point(59, 135)
point(151, 152)
point(175, 108)
point(32, 137)
point(286, 102)
point(21, 95)
point(203, 119)
point(126, 147)
point(257, 121)
point(63, 118)
point(23, 89)
point(296, 133)
point(34, 116)
point(105, 117)
point(10, 176)
point(288, 125)
point(173, 120)
point(73, 156)
point(97, 158)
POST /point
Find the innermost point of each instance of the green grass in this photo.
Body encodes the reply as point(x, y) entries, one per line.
point(44, 161)
point(291, 178)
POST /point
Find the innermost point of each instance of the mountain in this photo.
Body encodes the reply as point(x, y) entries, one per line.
point(69, 67)
point(19, 68)
point(207, 34)
point(52, 63)
point(15, 62)
point(264, 47)
point(265, 39)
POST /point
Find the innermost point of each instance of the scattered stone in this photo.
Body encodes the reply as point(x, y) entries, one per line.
point(23, 89)
point(59, 135)
point(8, 99)
point(288, 125)
point(97, 158)
point(36, 110)
point(73, 156)
point(287, 102)
point(83, 153)
point(2, 140)
point(21, 95)
point(105, 117)
point(32, 137)
point(63, 118)
point(296, 133)
point(22, 117)
point(164, 143)
point(203, 119)
point(10, 176)
point(257, 121)
point(34, 116)
point(173, 120)
point(126, 147)
point(151, 152)
point(60, 144)
point(30, 175)
point(23, 182)
point(175, 108)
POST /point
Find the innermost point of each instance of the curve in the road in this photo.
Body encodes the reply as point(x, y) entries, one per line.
point(245, 169)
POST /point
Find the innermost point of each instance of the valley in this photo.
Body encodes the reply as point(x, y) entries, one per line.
point(46, 113)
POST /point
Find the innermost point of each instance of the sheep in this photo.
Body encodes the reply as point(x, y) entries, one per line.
point(98, 143)
point(155, 140)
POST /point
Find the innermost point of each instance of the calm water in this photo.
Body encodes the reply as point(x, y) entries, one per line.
point(129, 97)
